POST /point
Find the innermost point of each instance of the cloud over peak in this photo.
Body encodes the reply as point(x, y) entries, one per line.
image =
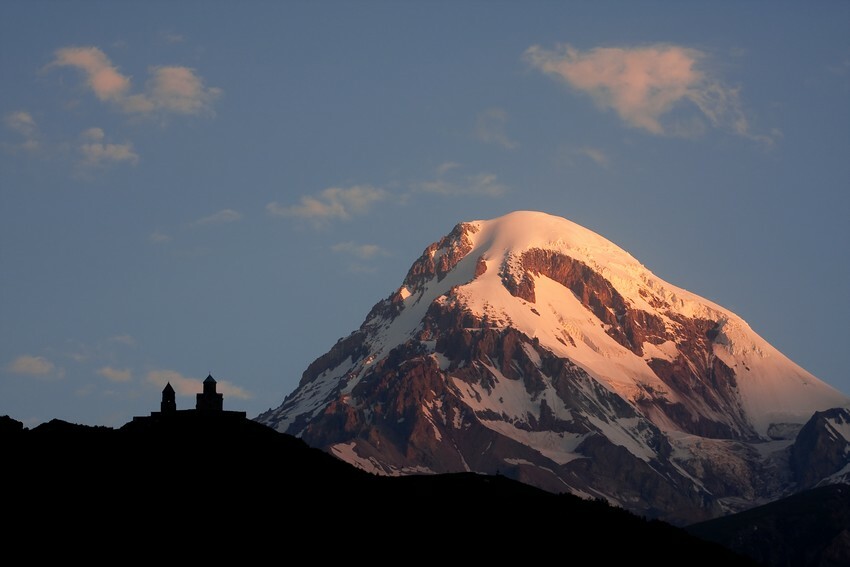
point(451, 183)
point(180, 90)
point(221, 217)
point(36, 366)
point(332, 203)
point(170, 89)
point(490, 128)
point(115, 374)
point(98, 153)
point(23, 123)
point(104, 79)
point(360, 251)
point(643, 84)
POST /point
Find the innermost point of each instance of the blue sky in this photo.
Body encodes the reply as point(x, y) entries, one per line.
point(228, 187)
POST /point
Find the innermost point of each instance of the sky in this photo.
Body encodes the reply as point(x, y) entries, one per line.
point(227, 188)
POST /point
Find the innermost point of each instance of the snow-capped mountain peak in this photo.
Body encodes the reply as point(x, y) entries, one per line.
point(554, 345)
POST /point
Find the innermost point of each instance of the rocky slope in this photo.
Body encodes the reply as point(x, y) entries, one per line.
point(532, 347)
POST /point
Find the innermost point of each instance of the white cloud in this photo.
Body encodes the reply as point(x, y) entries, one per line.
point(485, 184)
point(93, 135)
point(102, 77)
point(571, 155)
point(490, 128)
point(181, 384)
point(446, 167)
point(170, 89)
point(116, 375)
point(597, 155)
point(32, 365)
point(449, 183)
point(171, 37)
point(232, 391)
point(180, 90)
point(123, 339)
point(39, 366)
point(332, 203)
point(96, 153)
point(361, 251)
point(23, 123)
point(221, 217)
point(158, 237)
point(644, 84)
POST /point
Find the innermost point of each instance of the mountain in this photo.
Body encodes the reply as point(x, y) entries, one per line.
point(199, 488)
point(531, 347)
point(820, 452)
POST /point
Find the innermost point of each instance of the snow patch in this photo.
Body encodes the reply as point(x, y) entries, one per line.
point(346, 452)
point(557, 447)
point(442, 360)
point(623, 432)
point(426, 411)
point(839, 428)
point(665, 351)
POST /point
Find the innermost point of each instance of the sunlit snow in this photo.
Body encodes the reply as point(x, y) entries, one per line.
point(772, 388)
point(346, 452)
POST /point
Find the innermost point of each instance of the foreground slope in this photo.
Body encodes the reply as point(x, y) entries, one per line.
point(200, 489)
point(530, 346)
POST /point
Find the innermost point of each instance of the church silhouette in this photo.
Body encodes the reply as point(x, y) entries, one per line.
point(209, 404)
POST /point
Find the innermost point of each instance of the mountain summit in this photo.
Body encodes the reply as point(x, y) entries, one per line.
point(532, 347)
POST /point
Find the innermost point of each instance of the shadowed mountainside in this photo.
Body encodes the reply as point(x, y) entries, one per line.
point(196, 487)
point(808, 529)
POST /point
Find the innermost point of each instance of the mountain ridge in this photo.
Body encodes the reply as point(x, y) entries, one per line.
point(530, 345)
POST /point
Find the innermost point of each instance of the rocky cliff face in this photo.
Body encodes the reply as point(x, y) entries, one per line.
point(821, 451)
point(531, 347)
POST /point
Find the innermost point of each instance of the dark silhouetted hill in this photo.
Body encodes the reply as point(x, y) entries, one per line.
point(808, 529)
point(199, 489)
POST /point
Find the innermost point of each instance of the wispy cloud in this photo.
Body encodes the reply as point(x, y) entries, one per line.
point(116, 375)
point(185, 386)
point(221, 217)
point(102, 77)
point(571, 156)
point(359, 251)
point(643, 84)
point(446, 167)
point(170, 89)
point(180, 90)
point(98, 153)
point(181, 384)
point(126, 340)
point(159, 237)
point(37, 366)
point(490, 127)
point(595, 154)
point(332, 203)
point(449, 182)
point(23, 123)
point(171, 37)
